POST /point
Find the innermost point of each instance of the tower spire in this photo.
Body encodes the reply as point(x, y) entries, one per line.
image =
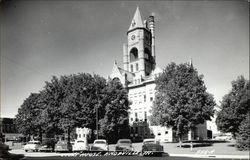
point(137, 20)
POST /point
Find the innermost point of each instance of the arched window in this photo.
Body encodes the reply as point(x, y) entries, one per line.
point(116, 79)
point(133, 54)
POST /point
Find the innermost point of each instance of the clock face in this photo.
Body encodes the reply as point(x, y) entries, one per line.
point(132, 37)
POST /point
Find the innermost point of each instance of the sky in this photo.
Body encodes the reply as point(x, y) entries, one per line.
point(40, 39)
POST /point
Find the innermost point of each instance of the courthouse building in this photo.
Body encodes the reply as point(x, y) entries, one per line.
point(138, 76)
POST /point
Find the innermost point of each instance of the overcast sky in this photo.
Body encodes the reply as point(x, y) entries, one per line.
point(40, 39)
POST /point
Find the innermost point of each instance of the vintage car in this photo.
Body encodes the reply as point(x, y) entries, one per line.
point(32, 146)
point(151, 147)
point(46, 148)
point(48, 145)
point(80, 145)
point(223, 137)
point(124, 145)
point(100, 145)
point(63, 146)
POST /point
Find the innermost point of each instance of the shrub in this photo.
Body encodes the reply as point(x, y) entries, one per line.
point(243, 137)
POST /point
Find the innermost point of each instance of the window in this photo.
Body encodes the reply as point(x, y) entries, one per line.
point(151, 99)
point(135, 115)
point(137, 67)
point(166, 132)
point(144, 98)
point(159, 134)
point(131, 68)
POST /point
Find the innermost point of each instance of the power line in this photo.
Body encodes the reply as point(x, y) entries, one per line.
point(24, 66)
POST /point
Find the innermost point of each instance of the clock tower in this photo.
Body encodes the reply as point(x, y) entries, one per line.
point(139, 52)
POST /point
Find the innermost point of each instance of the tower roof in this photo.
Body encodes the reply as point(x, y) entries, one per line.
point(137, 20)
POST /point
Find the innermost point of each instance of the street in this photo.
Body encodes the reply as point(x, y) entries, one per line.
point(217, 151)
point(114, 156)
point(121, 158)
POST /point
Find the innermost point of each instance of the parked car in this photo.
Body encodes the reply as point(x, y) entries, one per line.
point(48, 145)
point(80, 145)
point(124, 145)
point(100, 145)
point(63, 146)
point(32, 146)
point(223, 137)
point(46, 148)
point(151, 147)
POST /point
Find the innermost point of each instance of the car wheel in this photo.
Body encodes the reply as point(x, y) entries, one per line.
point(26, 150)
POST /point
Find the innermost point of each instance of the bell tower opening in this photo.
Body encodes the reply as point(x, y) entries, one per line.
point(133, 54)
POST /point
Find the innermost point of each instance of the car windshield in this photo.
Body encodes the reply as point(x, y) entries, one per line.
point(150, 142)
point(61, 142)
point(33, 142)
point(100, 142)
point(125, 141)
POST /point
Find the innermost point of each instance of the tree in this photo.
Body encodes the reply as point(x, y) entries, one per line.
point(235, 106)
point(71, 101)
point(27, 120)
point(243, 136)
point(181, 100)
point(114, 124)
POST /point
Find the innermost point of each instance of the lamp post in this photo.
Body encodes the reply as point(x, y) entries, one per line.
point(97, 114)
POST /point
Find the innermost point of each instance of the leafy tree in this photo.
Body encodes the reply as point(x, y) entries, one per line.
point(243, 136)
point(235, 106)
point(53, 96)
point(181, 100)
point(27, 120)
point(114, 124)
point(73, 101)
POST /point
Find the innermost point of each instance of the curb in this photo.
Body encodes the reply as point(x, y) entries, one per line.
point(211, 156)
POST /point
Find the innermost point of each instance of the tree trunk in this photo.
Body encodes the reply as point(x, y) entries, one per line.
point(68, 134)
point(92, 135)
point(40, 135)
point(180, 141)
